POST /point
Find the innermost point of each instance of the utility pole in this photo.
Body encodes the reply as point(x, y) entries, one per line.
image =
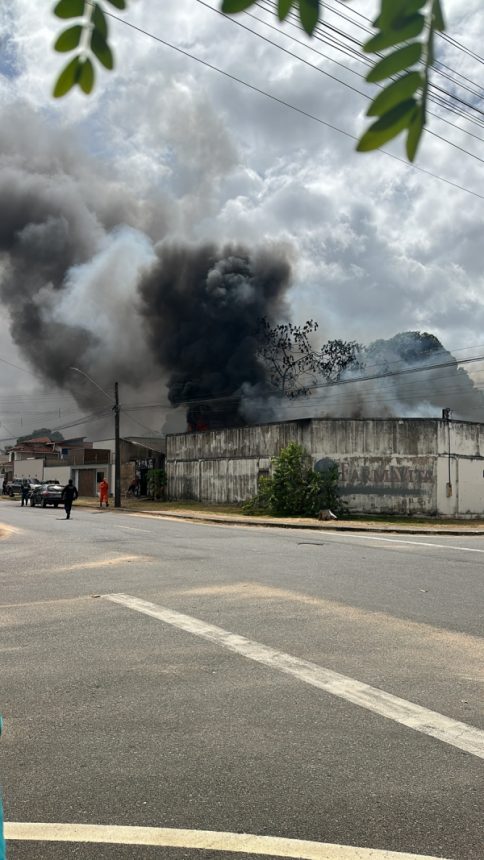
point(117, 452)
point(117, 442)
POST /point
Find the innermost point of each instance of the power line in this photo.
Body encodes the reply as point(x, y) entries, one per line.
point(461, 47)
point(344, 83)
point(280, 47)
point(320, 34)
point(289, 105)
point(17, 367)
point(341, 65)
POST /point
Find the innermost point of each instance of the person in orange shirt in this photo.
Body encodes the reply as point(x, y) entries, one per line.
point(104, 493)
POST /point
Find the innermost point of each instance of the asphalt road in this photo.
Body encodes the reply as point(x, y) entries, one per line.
point(116, 717)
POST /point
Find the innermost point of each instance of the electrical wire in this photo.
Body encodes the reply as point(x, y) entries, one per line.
point(17, 367)
point(318, 68)
point(347, 68)
point(319, 32)
point(290, 106)
point(461, 47)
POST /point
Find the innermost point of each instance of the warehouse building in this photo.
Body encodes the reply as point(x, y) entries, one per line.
point(409, 466)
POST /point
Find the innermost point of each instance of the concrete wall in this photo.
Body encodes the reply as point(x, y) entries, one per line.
point(398, 466)
point(60, 474)
point(31, 468)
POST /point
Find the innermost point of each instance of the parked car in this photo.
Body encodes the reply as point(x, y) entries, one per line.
point(14, 488)
point(46, 494)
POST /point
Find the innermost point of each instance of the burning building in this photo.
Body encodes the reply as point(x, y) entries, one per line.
point(400, 466)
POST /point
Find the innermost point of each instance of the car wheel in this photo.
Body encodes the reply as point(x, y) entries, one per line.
point(32, 503)
point(44, 503)
point(56, 504)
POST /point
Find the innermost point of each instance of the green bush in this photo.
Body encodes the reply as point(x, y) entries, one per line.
point(156, 483)
point(295, 488)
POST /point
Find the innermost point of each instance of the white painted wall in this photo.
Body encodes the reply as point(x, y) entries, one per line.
point(58, 474)
point(31, 468)
point(470, 486)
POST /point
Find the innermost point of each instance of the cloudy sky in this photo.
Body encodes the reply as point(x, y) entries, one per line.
point(376, 247)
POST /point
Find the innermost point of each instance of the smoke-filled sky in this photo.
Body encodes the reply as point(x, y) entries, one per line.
point(168, 155)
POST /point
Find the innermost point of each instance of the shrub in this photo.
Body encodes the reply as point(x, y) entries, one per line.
point(295, 488)
point(156, 483)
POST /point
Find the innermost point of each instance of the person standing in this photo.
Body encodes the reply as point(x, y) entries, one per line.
point(24, 494)
point(104, 493)
point(69, 495)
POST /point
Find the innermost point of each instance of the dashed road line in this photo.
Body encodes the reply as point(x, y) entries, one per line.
point(401, 541)
point(457, 734)
point(202, 840)
point(134, 529)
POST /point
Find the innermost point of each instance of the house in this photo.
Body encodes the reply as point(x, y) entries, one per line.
point(138, 454)
point(46, 459)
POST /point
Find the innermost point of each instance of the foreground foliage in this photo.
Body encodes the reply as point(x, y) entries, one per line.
point(403, 45)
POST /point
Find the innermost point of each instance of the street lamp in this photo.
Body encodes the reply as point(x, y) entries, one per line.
point(116, 410)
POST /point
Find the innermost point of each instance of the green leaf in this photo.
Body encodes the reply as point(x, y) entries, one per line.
point(395, 62)
point(394, 11)
point(86, 76)
point(309, 14)
point(102, 50)
point(68, 77)
point(119, 4)
point(388, 126)
point(438, 16)
point(69, 39)
point(283, 8)
point(415, 130)
point(398, 91)
point(231, 6)
point(410, 28)
point(99, 20)
point(69, 9)
point(389, 10)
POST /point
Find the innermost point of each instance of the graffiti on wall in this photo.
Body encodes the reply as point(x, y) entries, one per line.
point(383, 478)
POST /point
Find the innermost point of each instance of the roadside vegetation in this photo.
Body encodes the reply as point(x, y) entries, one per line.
point(296, 489)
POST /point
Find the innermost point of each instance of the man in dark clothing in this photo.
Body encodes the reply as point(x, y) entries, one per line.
point(24, 493)
point(69, 494)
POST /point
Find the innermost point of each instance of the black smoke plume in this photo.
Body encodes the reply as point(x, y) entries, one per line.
point(85, 285)
point(202, 307)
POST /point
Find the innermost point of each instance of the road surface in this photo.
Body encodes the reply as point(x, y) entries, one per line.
point(305, 687)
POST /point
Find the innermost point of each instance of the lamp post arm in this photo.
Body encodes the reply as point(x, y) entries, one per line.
point(83, 373)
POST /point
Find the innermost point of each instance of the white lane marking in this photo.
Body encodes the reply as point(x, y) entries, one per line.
point(400, 540)
point(321, 533)
point(204, 840)
point(134, 529)
point(453, 732)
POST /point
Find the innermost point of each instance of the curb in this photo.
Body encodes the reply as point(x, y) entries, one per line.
point(316, 526)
